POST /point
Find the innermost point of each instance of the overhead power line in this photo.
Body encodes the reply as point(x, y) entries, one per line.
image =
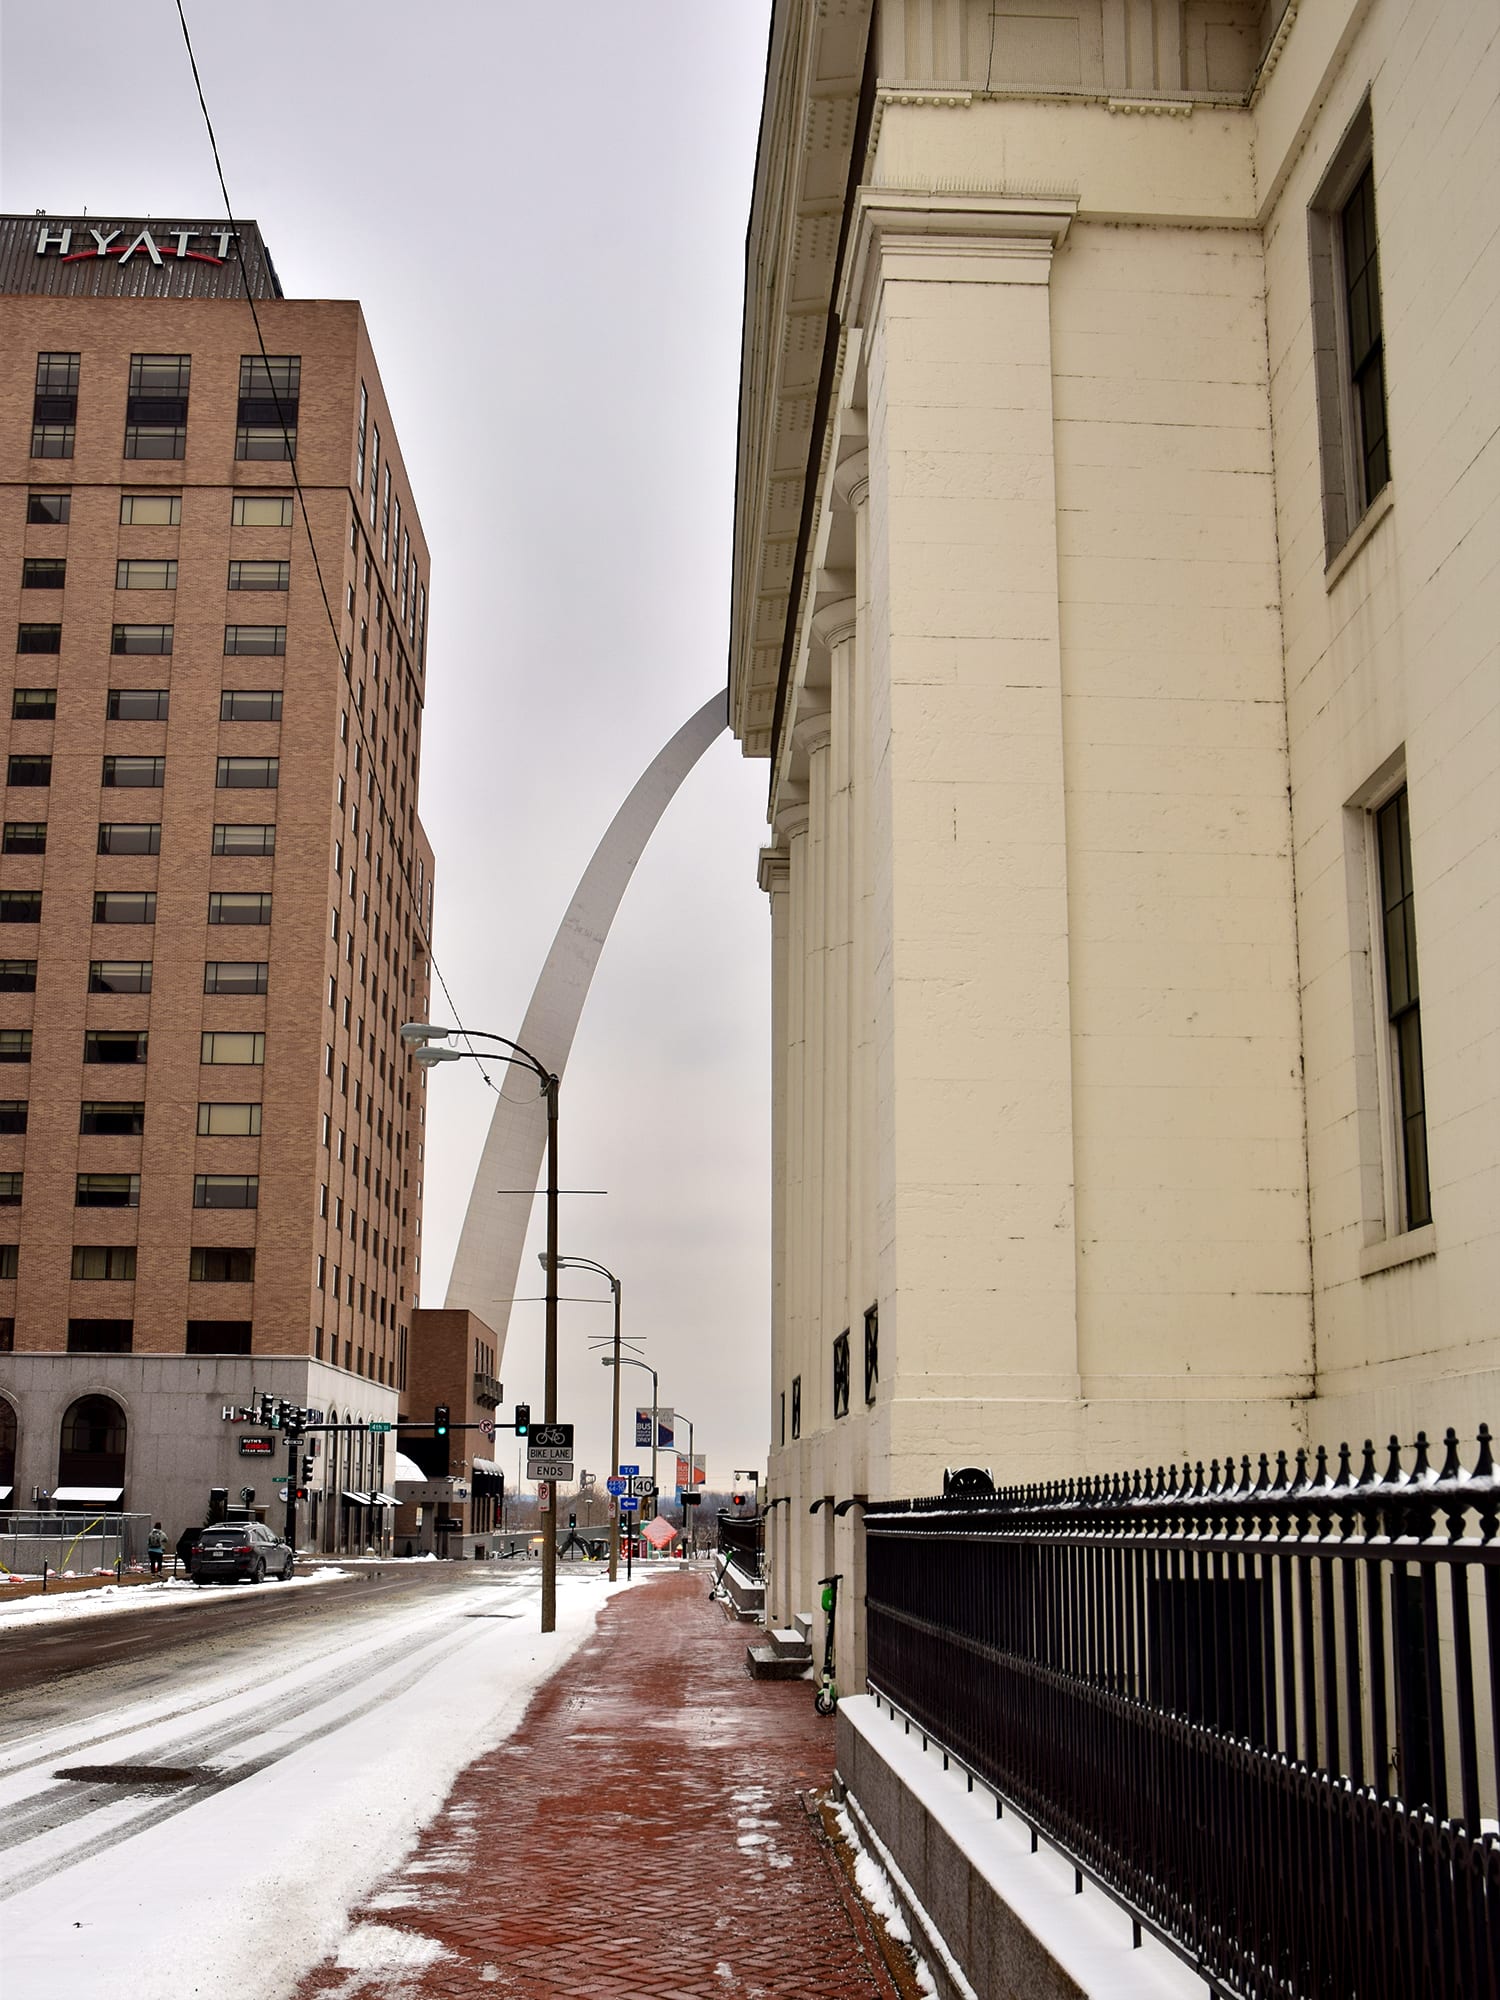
point(398, 845)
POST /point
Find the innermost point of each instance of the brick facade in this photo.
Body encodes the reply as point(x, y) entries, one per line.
point(349, 880)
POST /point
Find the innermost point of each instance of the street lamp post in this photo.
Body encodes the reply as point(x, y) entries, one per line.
point(419, 1036)
point(627, 1361)
point(588, 1264)
point(687, 1504)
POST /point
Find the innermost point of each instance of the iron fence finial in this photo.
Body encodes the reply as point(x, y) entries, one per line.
point(1484, 1465)
point(1451, 1466)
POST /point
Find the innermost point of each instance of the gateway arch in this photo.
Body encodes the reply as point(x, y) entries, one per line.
point(487, 1261)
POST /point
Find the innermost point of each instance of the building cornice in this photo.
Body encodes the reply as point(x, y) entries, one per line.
point(811, 123)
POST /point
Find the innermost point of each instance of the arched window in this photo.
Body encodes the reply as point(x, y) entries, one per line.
point(92, 1452)
point(7, 1448)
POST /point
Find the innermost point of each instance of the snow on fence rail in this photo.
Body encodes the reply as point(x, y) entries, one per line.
point(1263, 1710)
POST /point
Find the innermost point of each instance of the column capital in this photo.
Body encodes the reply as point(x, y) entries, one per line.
point(790, 820)
point(775, 868)
point(833, 623)
point(949, 236)
point(851, 479)
point(812, 734)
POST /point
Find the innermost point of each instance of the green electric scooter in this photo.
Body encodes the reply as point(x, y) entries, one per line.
point(826, 1700)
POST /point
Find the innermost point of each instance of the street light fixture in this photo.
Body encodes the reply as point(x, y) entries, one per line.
point(588, 1264)
point(625, 1361)
point(420, 1037)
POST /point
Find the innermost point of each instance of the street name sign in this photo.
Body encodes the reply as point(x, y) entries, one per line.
point(380, 1427)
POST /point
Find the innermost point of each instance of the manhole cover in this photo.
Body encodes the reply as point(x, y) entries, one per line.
point(145, 1777)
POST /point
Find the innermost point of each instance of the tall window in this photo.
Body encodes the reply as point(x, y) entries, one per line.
point(841, 1374)
point(157, 405)
point(1366, 347)
point(54, 409)
point(1404, 1007)
point(269, 390)
point(1348, 336)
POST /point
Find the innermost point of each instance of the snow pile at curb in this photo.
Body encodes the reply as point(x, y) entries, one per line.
point(878, 1897)
point(46, 1609)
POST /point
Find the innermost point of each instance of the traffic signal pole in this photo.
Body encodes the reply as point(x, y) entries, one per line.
point(293, 1467)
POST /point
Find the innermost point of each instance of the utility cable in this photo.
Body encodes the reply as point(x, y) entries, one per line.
point(388, 818)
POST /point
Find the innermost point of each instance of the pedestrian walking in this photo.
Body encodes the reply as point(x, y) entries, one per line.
point(156, 1547)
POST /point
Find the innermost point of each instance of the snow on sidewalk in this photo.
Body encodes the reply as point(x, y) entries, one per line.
point(237, 1891)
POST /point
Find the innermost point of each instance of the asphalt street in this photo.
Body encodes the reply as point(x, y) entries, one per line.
point(132, 1650)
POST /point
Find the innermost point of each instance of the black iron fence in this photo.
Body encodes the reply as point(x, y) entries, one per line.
point(743, 1542)
point(1261, 1706)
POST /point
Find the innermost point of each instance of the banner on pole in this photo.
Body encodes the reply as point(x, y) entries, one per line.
point(700, 1472)
point(665, 1428)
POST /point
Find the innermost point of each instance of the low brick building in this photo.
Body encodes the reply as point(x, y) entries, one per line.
point(452, 1364)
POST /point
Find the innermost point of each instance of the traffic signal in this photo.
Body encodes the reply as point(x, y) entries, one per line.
point(523, 1419)
point(440, 1421)
point(266, 1418)
point(307, 1468)
point(739, 1499)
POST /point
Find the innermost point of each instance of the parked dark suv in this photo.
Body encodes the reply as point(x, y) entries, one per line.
point(238, 1549)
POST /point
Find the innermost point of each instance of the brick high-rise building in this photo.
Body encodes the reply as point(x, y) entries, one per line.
point(215, 895)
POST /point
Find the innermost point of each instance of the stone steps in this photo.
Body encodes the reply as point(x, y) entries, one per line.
point(783, 1656)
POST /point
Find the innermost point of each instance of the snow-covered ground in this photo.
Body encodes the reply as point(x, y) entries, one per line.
point(298, 1776)
point(55, 1607)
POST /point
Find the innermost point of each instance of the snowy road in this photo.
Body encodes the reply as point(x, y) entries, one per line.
point(206, 1837)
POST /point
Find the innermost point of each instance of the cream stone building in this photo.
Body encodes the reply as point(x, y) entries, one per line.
point(1115, 602)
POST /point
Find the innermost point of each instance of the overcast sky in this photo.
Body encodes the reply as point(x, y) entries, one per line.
point(542, 210)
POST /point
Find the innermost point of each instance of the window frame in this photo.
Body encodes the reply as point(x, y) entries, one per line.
point(104, 897)
point(204, 1185)
point(97, 1184)
point(98, 977)
point(232, 838)
point(108, 828)
point(210, 1038)
point(241, 500)
point(1389, 1233)
point(214, 967)
point(170, 502)
point(162, 571)
point(1347, 505)
point(117, 708)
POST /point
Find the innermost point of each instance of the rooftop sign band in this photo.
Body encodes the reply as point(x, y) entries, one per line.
point(134, 257)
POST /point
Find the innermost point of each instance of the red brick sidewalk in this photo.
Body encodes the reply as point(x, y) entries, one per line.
point(641, 1837)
